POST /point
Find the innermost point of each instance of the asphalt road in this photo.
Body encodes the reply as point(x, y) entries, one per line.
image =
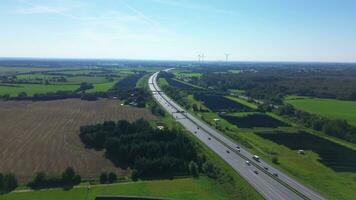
point(268, 181)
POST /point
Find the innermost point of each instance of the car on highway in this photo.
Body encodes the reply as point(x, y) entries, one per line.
point(209, 138)
point(248, 162)
point(275, 174)
point(256, 158)
point(255, 171)
point(227, 151)
point(266, 168)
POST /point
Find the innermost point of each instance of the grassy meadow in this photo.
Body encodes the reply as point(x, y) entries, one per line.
point(185, 188)
point(330, 108)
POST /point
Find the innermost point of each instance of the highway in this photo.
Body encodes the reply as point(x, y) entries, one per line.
point(268, 181)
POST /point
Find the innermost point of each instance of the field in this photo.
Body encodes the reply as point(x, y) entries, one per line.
point(187, 188)
point(219, 103)
point(43, 136)
point(31, 89)
point(254, 120)
point(242, 101)
point(335, 156)
point(331, 108)
point(32, 80)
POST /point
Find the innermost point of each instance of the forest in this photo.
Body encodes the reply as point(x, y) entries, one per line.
point(148, 151)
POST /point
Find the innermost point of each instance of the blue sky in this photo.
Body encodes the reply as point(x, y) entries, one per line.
point(249, 30)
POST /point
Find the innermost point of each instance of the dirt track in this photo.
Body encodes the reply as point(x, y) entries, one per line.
point(43, 136)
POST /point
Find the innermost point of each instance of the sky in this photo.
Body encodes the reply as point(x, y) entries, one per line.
point(247, 30)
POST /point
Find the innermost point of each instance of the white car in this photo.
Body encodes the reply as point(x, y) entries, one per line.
point(248, 162)
point(256, 158)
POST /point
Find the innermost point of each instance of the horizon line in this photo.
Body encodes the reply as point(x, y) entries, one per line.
point(175, 60)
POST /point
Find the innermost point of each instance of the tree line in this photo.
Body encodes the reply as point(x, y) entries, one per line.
point(333, 127)
point(68, 179)
point(8, 182)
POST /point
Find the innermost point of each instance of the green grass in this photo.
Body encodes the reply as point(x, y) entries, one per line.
point(162, 82)
point(330, 108)
point(242, 101)
point(31, 89)
point(186, 188)
point(102, 87)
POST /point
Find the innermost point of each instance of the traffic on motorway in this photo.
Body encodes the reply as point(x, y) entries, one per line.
point(268, 181)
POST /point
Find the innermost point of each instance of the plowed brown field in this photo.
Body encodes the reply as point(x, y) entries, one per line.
point(43, 136)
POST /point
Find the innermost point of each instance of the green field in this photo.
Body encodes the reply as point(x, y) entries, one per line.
point(32, 82)
point(32, 89)
point(330, 108)
point(187, 188)
point(242, 101)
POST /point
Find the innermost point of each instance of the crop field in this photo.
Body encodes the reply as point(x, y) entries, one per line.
point(219, 103)
point(43, 136)
point(31, 89)
point(333, 155)
point(254, 120)
point(187, 188)
point(331, 108)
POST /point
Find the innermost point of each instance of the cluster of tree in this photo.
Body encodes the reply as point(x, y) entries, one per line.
point(334, 127)
point(148, 151)
point(157, 110)
point(68, 179)
point(8, 182)
point(85, 86)
point(274, 83)
point(106, 177)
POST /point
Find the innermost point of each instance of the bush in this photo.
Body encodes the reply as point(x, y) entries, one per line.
point(1, 182)
point(103, 177)
point(68, 178)
point(112, 177)
point(210, 170)
point(134, 175)
point(275, 160)
point(193, 169)
point(8, 182)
